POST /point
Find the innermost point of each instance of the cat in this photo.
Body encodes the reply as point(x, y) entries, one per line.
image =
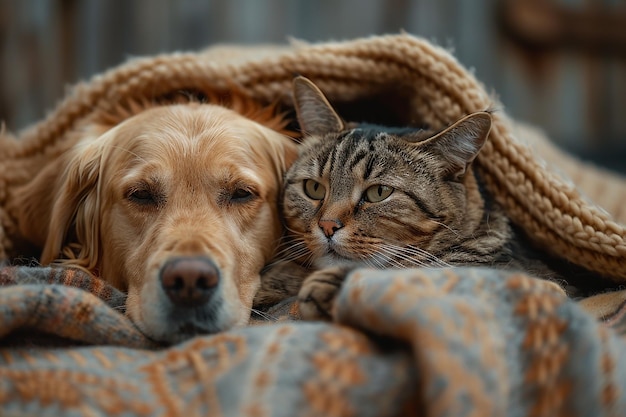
point(383, 197)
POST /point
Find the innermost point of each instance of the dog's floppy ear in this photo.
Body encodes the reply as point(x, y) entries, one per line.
point(35, 200)
point(61, 207)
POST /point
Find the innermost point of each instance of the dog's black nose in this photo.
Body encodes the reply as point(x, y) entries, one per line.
point(189, 281)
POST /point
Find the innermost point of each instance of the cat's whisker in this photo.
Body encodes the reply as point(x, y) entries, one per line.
point(429, 256)
point(370, 260)
point(264, 315)
point(293, 251)
point(285, 249)
point(379, 259)
point(282, 240)
point(390, 255)
point(308, 261)
point(391, 262)
point(289, 246)
point(403, 261)
point(381, 263)
point(294, 256)
point(456, 233)
point(374, 262)
point(293, 231)
point(408, 255)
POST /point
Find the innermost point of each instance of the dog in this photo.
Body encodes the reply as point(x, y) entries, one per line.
point(175, 205)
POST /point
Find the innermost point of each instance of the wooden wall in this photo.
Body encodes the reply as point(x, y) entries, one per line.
point(560, 64)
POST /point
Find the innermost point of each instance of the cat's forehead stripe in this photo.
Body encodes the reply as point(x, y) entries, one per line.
point(369, 167)
point(353, 152)
point(352, 148)
point(340, 155)
point(344, 150)
point(358, 157)
point(330, 161)
point(324, 160)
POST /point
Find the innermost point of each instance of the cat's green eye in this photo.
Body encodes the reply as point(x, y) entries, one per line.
point(377, 193)
point(314, 189)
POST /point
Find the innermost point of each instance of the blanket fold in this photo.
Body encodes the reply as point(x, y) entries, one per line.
point(68, 305)
point(465, 341)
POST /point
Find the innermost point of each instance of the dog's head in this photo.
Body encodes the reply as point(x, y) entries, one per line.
point(177, 206)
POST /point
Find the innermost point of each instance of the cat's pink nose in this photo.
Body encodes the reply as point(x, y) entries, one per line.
point(329, 227)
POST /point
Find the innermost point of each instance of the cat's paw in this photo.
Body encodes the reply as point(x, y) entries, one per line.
point(318, 293)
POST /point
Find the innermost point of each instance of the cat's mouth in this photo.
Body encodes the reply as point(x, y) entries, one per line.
point(336, 251)
point(333, 255)
point(331, 252)
point(336, 255)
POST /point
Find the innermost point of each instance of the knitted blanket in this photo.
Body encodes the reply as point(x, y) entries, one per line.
point(464, 341)
point(473, 342)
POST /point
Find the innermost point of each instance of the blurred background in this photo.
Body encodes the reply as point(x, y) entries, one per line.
point(558, 64)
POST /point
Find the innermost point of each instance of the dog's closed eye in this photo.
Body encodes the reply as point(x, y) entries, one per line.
point(144, 196)
point(241, 195)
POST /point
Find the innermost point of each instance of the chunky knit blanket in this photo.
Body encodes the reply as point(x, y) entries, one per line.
point(436, 342)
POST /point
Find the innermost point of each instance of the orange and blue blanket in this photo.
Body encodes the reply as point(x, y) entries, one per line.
point(436, 342)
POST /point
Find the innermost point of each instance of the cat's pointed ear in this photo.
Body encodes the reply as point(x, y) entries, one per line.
point(315, 114)
point(460, 143)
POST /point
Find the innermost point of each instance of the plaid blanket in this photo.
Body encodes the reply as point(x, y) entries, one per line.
point(437, 342)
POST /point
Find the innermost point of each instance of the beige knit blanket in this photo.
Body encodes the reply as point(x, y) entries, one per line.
point(408, 77)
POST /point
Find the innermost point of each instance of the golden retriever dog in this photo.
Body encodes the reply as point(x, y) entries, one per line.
point(176, 205)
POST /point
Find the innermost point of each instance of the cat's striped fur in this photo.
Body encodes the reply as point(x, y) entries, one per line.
point(383, 197)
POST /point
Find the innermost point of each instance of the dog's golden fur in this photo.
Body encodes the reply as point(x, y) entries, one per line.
point(196, 180)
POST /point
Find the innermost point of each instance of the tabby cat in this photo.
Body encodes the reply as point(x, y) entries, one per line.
point(383, 197)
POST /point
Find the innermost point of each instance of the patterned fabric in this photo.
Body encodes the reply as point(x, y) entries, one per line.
point(449, 342)
point(92, 312)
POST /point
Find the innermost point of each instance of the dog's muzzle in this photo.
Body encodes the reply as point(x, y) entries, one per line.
point(189, 281)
